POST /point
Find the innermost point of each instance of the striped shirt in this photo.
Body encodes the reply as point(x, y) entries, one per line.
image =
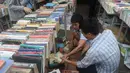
point(104, 53)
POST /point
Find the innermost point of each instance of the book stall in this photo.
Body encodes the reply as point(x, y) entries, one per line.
point(121, 10)
point(29, 45)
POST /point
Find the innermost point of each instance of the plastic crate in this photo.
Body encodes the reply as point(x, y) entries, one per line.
point(69, 71)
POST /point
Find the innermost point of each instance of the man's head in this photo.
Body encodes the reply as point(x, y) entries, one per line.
point(90, 29)
point(76, 21)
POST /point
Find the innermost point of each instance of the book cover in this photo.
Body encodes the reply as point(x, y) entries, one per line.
point(23, 22)
point(8, 49)
point(12, 41)
point(30, 16)
point(32, 66)
point(39, 32)
point(20, 70)
point(31, 46)
point(39, 36)
point(7, 65)
point(15, 33)
point(28, 59)
point(10, 46)
point(2, 62)
point(62, 6)
point(24, 30)
point(45, 12)
point(6, 54)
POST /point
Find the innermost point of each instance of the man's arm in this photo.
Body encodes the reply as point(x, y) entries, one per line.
point(88, 60)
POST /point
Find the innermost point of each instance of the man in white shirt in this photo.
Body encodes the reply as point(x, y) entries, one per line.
point(104, 51)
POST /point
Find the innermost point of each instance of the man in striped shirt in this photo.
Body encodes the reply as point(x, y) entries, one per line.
point(104, 52)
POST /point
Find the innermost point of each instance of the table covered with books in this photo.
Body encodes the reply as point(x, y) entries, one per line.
point(25, 47)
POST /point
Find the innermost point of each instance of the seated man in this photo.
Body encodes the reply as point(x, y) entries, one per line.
point(103, 52)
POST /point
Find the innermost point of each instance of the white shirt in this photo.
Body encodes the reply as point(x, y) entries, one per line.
point(82, 37)
point(104, 53)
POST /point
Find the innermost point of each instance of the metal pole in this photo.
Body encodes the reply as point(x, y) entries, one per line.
point(120, 30)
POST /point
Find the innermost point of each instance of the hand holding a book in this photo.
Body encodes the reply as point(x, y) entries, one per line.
point(27, 10)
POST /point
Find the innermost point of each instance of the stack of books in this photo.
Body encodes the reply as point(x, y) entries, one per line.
point(31, 39)
point(41, 39)
point(19, 67)
point(120, 6)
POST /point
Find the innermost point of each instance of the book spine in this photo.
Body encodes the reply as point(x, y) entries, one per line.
point(30, 46)
point(38, 36)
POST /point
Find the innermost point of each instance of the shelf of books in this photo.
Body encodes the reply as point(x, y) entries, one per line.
point(25, 47)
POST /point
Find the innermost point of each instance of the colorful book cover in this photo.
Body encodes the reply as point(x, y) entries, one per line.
point(7, 65)
point(39, 36)
point(31, 47)
point(2, 63)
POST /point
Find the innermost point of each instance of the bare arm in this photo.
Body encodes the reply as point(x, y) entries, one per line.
point(78, 48)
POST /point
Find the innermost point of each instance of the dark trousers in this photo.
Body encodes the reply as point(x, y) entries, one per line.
point(90, 69)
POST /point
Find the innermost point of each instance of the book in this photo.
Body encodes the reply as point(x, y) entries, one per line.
point(28, 59)
point(15, 33)
point(45, 13)
point(10, 46)
point(12, 41)
point(7, 65)
point(30, 16)
point(20, 70)
point(8, 49)
point(23, 30)
point(6, 54)
point(32, 66)
point(31, 46)
point(39, 36)
point(23, 22)
point(62, 6)
point(50, 5)
point(2, 62)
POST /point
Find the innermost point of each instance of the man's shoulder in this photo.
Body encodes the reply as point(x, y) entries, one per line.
point(107, 31)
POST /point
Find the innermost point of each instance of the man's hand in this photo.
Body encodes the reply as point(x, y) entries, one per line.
point(65, 56)
point(27, 10)
point(64, 59)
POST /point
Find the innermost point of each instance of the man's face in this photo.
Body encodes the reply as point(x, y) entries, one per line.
point(75, 26)
point(88, 35)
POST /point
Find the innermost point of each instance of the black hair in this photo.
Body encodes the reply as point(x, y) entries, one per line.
point(77, 18)
point(91, 26)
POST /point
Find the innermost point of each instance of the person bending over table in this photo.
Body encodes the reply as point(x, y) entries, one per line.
point(103, 54)
point(18, 9)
